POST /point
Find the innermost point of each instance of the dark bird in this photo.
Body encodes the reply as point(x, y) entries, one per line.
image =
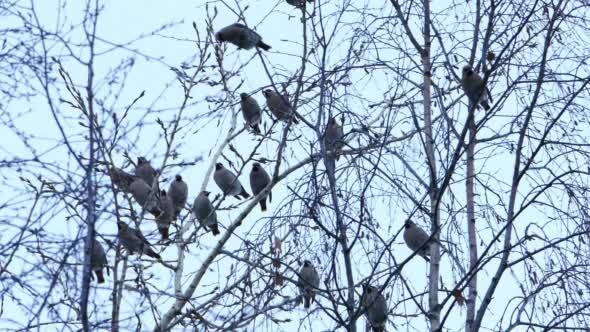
point(241, 36)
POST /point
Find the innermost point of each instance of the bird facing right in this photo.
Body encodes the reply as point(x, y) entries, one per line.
point(375, 307)
point(415, 237)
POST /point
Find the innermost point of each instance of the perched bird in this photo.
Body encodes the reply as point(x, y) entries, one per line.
point(98, 261)
point(145, 171)
point(279, 106)
point(205, 213)
point(241, 36)
point(166, 205)
point(333, 140)
point(143, 195)
point(415, 237)
point(132, 240)
point(259, 179)
point(375, 307)
point(309, 281)
point(474, 88)
point(251, 111)
point(178, 192)
point(228, 182)
point(121, 179)
point(298, 3)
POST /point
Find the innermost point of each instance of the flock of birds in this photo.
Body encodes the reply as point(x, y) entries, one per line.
point(166, 206)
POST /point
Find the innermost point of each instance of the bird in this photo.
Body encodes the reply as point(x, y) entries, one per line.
point(178, 192)
point(143, 195)
point(166, 205)
point(241, 36)
point(333, 140)
point(415, 237)
point(259, 179)
point(121, 179)
point(279, 106)
point(375, 307)
point(98, 261)
point(474, 88)
point(228, 182)
point(309, 281)
point(251, 111)
point(205, 213)
point(298, 3)
point(134, 242)
point(145, 171)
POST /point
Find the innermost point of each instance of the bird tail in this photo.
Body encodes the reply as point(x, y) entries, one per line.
point(256, 128)
point(379, 328)
point(164, 232)
point(99, 276)
point(485, 105)
point(294, 119)
point(263, 204)
point(214, 229)
point(263, 46)
point(150, 252)
point(306, 302)
point(244, 193)
point(425, 258)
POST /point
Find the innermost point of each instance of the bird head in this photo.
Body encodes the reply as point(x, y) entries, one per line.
point(243, 95)
point(219, 37)
point(141, 160)
point(205, 193)
point(306, 263)
point(467, 70)
point(218, 166)
point(267, 93)
point(256, 166)
point(178, 178)
point(409, 223)
point(163, 193)
point(121, 225)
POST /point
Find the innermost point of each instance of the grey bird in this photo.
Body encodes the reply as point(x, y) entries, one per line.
point(121, 179)
point(333, 140)
point(241, 36)
point(143, 195)
point(166, 205)
point(145, 171)
point(178, 192)
point(251, 111)
point(298, 3)
point(474, 88)
point(415, 237)
point(259, 179)
point(228, 182)
point(98, 261)
point(375, 307)
point(134, 242)
point(205, 213)
point(279, 106)
point(309, 281)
